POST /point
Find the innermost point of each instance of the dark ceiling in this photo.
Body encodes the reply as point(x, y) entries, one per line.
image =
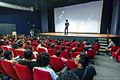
point(51, 3)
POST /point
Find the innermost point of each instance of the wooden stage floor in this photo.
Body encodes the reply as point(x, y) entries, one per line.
point(80, 35)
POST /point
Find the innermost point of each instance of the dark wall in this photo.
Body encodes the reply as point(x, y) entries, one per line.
point(23, 20)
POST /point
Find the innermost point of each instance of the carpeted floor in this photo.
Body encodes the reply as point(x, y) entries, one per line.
point(106, 68)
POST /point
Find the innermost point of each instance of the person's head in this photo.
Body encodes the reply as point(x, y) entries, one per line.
point(58, 53)
point(30, 48)
point(73, 49)
point(67, 75)
point(43, 59)
point(66, 20)
point(68, 44)
point(52, 46)
point(88, 43)
point(82, 60)
point(20, 44)
point(7, 43)
point(78, 44)
point(8, 55)
point(1, 52)
point(42, 44)
point(58, 43)
point(28, 54)
point(96, 40)
point(110, 40)
point(62, 48)
point(28, 43)
point(15, 45)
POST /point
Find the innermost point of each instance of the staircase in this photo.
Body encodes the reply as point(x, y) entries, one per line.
point(103, 44)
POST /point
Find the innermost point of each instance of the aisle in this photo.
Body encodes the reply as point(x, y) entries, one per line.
point(106, 68)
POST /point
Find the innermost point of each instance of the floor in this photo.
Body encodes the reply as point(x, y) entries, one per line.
point(106, 68)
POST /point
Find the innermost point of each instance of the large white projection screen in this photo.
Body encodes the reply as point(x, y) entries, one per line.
point(83, 18)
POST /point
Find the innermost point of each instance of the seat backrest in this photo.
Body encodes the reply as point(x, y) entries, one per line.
point(74, 54)
point(68, 48)
point(91, 53)
point(57, 47)
point(96, 47)
point(114, 48)
point(70, 64)
point(64, 54)
point(51, 52)
point(4, 48)
point(56, 63)
point(41, 50)
point(1, 69)
point(79, 49)
point(41, 75)
point(118, 52)
point(23, 72)
point(18, 53)
point(9, 69)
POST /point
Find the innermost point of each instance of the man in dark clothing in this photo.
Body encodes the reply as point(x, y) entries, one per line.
point(66, 27)
point(27, 60)
point(83, 71)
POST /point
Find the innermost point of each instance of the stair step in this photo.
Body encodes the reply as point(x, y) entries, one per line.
point(101, 44)
point(102, 39)
point(102, 49)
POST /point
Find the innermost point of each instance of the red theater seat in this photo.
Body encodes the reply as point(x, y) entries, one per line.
point(23, 72)
point(70, 64)
point(56, 63)
point(41, 75)
point(9, 69)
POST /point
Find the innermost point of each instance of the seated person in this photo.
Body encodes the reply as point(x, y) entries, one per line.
point(111, 43)
point(43, 60)
point(20, 46)
point(96, 42)
point(67, 75)
point(83, 70)
point(8, 56)
point(42, 45)
point(27, 60)
point(87, 46)
point(1, 54)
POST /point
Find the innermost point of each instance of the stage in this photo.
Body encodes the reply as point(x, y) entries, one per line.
point(80, 35)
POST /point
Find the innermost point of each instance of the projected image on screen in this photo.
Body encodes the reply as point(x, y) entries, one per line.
point(84, 18)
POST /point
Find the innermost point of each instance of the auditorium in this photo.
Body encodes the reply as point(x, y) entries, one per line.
point(59, 40)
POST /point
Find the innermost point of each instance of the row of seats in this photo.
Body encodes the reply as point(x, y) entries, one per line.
point(21, 72)
point(115, 51)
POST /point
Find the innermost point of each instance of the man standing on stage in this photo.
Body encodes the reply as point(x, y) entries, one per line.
point(66, 27)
